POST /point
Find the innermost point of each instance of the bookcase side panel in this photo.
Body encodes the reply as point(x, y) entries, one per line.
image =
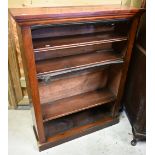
point(26, 47)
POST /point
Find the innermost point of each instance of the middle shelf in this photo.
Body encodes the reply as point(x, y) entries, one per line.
point(62, 65)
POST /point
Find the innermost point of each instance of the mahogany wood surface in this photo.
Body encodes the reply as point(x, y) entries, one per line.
point(78, 119)
point(76, 133)
point(80, 28)
point(32, 83)
point(29, 16)
point(65, 40)
point(77, 61)
point(118, 45)
point(78, 124)
point(62, 79)
point(132, 35)
point(59, 43)
point(76, 103)
point(57, 30)
point(62, 51)
point(114, 77)
point(72, 84)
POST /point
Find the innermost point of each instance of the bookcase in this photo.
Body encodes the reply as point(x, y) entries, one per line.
point(75, 61)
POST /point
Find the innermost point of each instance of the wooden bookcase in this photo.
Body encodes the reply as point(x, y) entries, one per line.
point(75, 60)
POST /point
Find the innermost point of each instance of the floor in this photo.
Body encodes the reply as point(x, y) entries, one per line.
point(114, 140)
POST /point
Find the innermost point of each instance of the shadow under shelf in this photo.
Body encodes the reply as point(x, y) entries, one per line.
point(71, 124)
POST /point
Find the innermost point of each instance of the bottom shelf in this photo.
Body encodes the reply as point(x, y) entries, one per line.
point(73, 126)
point(76, 103)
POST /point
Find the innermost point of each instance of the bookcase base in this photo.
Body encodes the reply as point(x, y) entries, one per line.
point(75, 133)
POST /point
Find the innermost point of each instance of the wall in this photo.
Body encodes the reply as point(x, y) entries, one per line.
point(135, 3)
point(47, 3)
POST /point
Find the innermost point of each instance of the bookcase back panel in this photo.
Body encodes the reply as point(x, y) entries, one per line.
point(72, 84)
point(72, 29)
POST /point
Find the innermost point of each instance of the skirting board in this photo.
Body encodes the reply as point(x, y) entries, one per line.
point(74, 133)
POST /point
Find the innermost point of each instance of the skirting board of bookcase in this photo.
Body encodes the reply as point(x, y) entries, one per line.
point(75, 133)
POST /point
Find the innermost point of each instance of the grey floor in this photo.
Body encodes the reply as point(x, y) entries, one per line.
point(114, 140)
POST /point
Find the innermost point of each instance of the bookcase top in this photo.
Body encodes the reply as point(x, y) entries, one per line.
point(31, 16)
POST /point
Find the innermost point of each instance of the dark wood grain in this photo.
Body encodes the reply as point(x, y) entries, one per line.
point(114, 77)
point(28, 16)
point(65, 40)
point(61, 51)
point(136, 82)
point(135, 88)
point(60, 30)
point(72, 84)
point(78, 61)
point(59, 43)
point(78, 119)
point(80, 28)
point(76, 103)
point(32, 83)
point(78, 132)
point(132, 35)
point(82, 91)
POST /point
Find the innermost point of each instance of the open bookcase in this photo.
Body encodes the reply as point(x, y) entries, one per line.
point(76, 60)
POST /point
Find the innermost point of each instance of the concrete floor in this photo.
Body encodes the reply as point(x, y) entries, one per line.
point(114, 140)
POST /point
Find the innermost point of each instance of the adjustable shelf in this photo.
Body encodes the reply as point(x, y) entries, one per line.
point(75, 61)
point(76, 103)
point(77, 48)
point(66, 42)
